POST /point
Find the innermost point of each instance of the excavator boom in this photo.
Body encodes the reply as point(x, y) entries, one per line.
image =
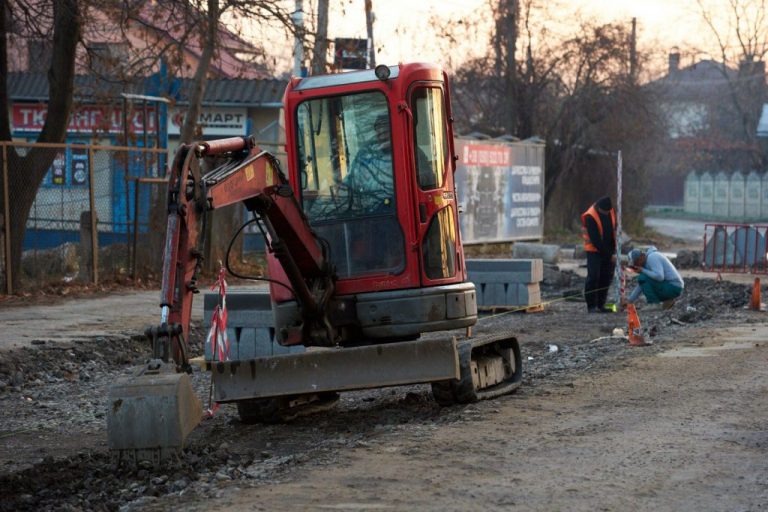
point(254, 178)
point(249, 176)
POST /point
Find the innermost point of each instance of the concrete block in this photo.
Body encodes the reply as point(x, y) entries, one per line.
point(548, 253)
point(528, 295)
point(523, 294)
point(534, 267)
point(250, 325)
point(493, 294)
point(505, 277)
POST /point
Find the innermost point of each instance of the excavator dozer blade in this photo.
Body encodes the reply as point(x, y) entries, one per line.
point(151, 414)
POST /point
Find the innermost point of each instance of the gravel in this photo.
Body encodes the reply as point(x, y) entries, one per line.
point(54, 398)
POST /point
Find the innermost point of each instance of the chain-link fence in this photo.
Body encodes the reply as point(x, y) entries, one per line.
point(46, 231)
point(97, 213)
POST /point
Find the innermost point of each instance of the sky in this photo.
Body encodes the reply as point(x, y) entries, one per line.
point(402, 30)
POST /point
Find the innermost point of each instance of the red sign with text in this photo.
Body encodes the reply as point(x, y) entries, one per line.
point(486, 154)
point(29, 117)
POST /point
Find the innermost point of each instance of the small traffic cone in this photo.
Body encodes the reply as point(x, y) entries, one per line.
point(755, 303)
point(634, 330)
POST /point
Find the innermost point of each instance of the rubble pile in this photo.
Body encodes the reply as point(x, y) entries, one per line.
point(687, 259)
point(705, 298)
point(82, 360)
point(556, 280)
point(50, 363)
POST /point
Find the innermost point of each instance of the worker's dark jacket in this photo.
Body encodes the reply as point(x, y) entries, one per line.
point(598, 236)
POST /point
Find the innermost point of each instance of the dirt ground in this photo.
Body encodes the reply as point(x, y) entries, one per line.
point(597, 425)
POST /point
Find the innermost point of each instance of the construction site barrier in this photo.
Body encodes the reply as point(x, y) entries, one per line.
point(735, 248)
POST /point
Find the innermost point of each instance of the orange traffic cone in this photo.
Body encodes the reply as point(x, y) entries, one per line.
point(755, 303)
point(634, 330)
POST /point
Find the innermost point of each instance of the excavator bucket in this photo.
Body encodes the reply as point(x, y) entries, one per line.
point(151, 413)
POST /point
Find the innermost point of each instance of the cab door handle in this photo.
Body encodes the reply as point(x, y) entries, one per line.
point(422, 212)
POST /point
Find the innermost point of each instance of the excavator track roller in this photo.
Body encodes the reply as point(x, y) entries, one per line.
point(490, 366)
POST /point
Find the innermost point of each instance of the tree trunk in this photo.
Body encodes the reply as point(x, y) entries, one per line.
point(320, 51)
point(25, 174)
point(188, 129)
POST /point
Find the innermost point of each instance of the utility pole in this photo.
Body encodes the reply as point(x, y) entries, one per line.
point(369, 19)
point(506, 46)
point(298, 45)
point(633, 53)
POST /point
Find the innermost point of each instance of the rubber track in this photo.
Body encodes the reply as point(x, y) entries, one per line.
point(277, 410)
point(462, 391)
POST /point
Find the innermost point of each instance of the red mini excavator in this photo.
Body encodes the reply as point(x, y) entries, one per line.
point(364, 256)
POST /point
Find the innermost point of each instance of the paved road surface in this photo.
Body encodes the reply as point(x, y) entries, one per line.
point(686, 229)
point(117, 314)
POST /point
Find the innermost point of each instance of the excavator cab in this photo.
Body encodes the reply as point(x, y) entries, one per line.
point(370, 156)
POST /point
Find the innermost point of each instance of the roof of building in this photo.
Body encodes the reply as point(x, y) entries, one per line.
point(702, 78)
point(240, 91)
point(25, 86)
point(170, 21)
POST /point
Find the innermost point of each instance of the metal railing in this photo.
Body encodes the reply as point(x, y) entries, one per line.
point(736, 248)
point(79, 225)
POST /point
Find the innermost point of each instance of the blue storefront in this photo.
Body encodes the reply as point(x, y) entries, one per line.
point(94, 136)
point(231, 107)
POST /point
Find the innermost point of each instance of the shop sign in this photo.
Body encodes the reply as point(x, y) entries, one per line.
point(213, 121)
point(90, 119)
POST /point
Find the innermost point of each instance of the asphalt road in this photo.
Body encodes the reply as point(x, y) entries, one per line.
point(685, 229)
point(115, 314)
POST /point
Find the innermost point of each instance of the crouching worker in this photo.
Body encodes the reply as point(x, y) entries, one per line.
point(657, 278)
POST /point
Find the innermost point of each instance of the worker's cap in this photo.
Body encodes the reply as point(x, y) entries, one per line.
point(604, 203)
point(634, 255)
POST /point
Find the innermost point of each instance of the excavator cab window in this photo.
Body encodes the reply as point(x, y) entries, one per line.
point(439, 240)
point(430, 138)
point(347, 181)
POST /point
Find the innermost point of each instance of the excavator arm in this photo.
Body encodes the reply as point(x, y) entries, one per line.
point(241, 173)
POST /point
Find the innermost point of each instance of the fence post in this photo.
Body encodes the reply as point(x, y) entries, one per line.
point(93, 219)
point(135, 226)
point(7, 223)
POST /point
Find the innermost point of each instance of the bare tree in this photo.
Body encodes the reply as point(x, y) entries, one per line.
point(59, 21)
point(209, 38)
point(580, 94)
point(210, 26)
point(740, 31)
point(199, 25)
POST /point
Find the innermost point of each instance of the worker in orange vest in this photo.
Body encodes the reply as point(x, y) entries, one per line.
point(599, 232)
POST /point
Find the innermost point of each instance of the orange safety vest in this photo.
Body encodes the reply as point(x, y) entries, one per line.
point(592, 212)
